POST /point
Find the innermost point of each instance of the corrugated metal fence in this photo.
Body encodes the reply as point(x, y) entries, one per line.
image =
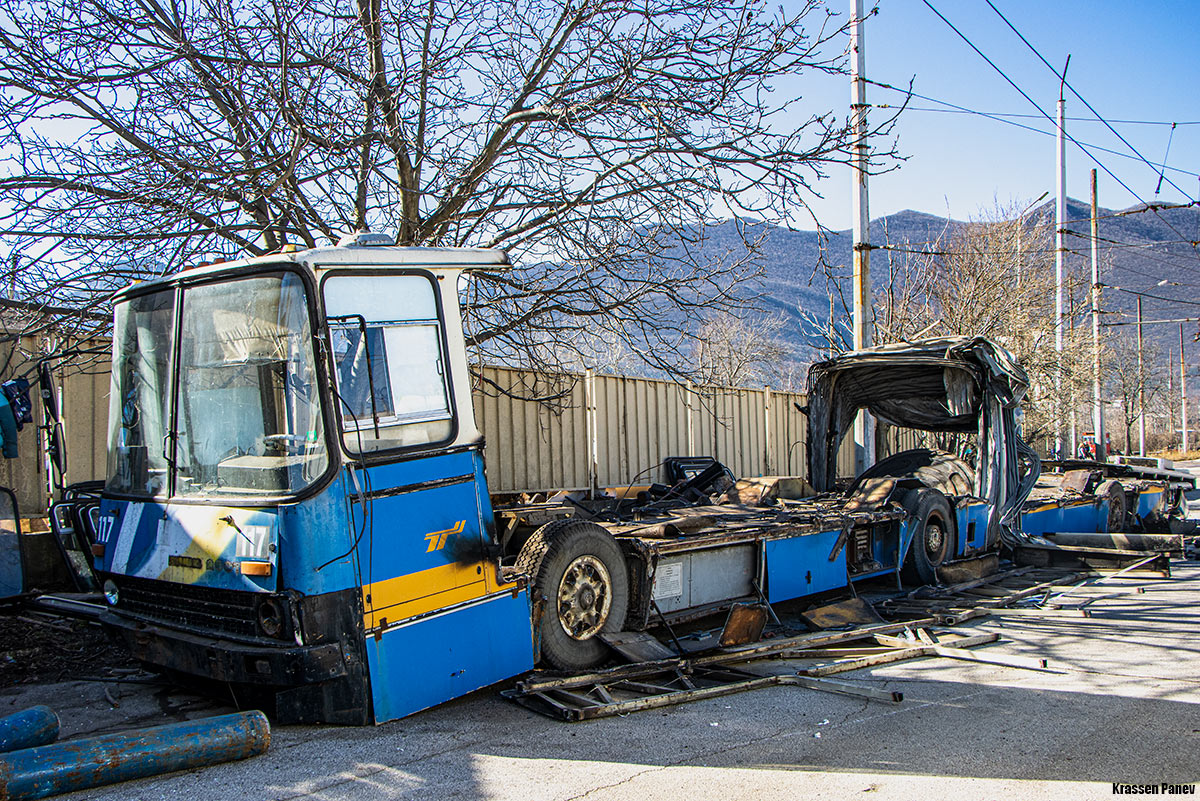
point(627, 426)
point(623, 426)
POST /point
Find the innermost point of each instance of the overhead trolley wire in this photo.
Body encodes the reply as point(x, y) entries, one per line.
point(1063, 79)
point(1148, 295)
point(1082, 99)
point(1019, 116)
point(1032, 102)
point(998, 117)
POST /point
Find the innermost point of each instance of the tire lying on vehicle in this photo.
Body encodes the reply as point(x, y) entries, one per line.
point(1118, 511)
point(934, 540)
point(577, 569)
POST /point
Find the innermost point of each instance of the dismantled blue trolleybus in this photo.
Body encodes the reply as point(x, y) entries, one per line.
point(296, 504)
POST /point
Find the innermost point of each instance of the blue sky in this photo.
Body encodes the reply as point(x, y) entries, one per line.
point(1137, 61)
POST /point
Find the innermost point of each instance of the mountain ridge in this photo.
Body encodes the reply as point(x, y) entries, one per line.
point(1151, 250)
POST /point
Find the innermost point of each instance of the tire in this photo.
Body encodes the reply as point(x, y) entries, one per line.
point(578, 571)
point(935, 539)
point(1118, 508)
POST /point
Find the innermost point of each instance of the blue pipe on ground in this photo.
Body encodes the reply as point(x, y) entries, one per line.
point(36, 725)
point(78, 764)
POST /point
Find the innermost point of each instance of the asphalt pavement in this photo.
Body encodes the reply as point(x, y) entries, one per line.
point(1123, 706)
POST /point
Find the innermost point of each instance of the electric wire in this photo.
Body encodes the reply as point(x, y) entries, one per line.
point(955, 109)
point(1019, 116)
point(1034, 103)
point(1148, 295)
point(1066, 135)
point(1191, 268)
point(1082, 99)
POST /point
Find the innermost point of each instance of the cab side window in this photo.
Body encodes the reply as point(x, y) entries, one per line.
point(391, 379)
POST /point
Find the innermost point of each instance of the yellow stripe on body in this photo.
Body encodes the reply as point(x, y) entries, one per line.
point(427, 591)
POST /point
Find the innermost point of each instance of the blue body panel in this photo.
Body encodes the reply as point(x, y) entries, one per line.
point(1150, 502)
point(437, 528)
point(1081, 516)
point(188, 543)
point(972, 528)
point(316, 542)
point(801, 566)
point(438, 620)
point(434, 659)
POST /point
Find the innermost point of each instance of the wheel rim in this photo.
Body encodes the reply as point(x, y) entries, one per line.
point(584, 597)
point(935, 540)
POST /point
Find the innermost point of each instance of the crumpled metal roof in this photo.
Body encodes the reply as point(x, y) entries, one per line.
point(958, 384)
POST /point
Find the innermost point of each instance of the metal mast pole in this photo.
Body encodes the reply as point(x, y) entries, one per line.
point(1183, 390)
point(1097, 406)
point(1141, 385)
point(1060, 216)
point(864, 428)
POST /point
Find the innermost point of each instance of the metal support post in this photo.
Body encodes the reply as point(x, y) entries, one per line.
point(864, 428)
point(1097, 405)
point(1141, 384)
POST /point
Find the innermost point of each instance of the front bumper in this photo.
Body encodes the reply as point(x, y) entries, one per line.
point(228, 660)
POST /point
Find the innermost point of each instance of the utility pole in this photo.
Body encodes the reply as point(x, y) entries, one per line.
point(1141, 384)
point(864, 428)
point(1097, 405)
point(1183, 389)
point(1060, 217)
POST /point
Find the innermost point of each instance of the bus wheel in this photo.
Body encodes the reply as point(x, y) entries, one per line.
point(1118, 511)
point(578, 572)
point(933, 540)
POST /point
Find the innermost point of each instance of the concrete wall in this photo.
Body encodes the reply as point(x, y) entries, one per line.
point(83, 404)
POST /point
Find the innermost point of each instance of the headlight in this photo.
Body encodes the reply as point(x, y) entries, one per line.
point(270, 617)
point(111, 593)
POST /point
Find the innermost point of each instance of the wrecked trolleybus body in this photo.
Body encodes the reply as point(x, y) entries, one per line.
point(1009, 497)
point(295, 498)
point(957, 385)
point(296, 505)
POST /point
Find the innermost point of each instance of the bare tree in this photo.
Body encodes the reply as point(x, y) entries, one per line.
point(739, 352)
point(594, 139)
point(1127, 386)
point(994, 277)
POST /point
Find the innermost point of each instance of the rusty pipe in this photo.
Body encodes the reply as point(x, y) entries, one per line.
point(1127, 542)
point(36, 725)
point(78, 764)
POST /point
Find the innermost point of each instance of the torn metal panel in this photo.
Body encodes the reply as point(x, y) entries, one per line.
point(851, 612)
point(744, 625)
point(955, 384)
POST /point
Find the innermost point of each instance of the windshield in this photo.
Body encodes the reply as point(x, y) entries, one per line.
point(138, 403)
point(248, 416)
